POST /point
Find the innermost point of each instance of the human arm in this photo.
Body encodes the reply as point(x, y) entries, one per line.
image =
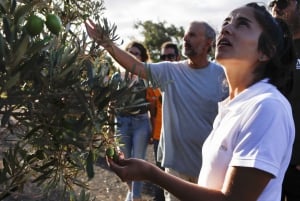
point(240, 184)
point(125, 59)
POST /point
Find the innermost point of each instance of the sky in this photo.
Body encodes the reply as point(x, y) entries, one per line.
point(125, 13)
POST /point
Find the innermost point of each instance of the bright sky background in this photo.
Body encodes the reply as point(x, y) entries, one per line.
point(125, 13)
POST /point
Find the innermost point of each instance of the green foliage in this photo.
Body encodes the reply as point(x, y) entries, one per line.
point(156, 34)
point(55, 92)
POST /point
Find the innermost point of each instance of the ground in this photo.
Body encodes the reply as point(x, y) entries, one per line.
point(105, 186)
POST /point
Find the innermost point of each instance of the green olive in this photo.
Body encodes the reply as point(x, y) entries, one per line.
point(53, 23)
point(116, 157)
point(34, 25)
point(110, 152)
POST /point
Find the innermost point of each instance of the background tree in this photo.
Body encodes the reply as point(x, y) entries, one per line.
point(157, 33)
point(55, 90)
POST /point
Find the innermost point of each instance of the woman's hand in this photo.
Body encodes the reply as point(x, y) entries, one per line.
point(130, 169)
point(97, 33)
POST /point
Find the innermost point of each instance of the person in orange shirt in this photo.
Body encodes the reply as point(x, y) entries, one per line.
point(169, 52)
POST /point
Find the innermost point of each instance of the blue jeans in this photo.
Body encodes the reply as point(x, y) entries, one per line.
point(135, 131)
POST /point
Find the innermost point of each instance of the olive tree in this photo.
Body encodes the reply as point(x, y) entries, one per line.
point(55, 89)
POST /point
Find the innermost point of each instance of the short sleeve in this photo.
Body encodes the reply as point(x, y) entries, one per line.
point(264, 137)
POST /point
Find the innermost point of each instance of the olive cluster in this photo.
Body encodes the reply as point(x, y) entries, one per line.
point(35, 24)
point(112, 153)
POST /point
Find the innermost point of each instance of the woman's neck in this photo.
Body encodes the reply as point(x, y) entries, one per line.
point(238, 81)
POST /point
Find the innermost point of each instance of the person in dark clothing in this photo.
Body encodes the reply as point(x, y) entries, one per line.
point(289, 11)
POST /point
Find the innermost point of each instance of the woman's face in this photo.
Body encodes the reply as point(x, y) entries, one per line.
point(237, 43)
point(135, 52)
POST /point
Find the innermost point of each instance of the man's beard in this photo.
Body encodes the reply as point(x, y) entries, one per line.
point(189, 53)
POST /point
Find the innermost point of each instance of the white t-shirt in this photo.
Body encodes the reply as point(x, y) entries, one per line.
point(255, 129)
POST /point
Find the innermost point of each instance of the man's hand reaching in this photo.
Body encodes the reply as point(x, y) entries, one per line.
point(97, 33)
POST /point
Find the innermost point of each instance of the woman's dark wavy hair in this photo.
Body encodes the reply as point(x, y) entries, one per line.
point(276, 42)
point(144, 53)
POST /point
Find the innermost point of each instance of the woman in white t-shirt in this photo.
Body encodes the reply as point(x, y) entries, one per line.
point(247, 153)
